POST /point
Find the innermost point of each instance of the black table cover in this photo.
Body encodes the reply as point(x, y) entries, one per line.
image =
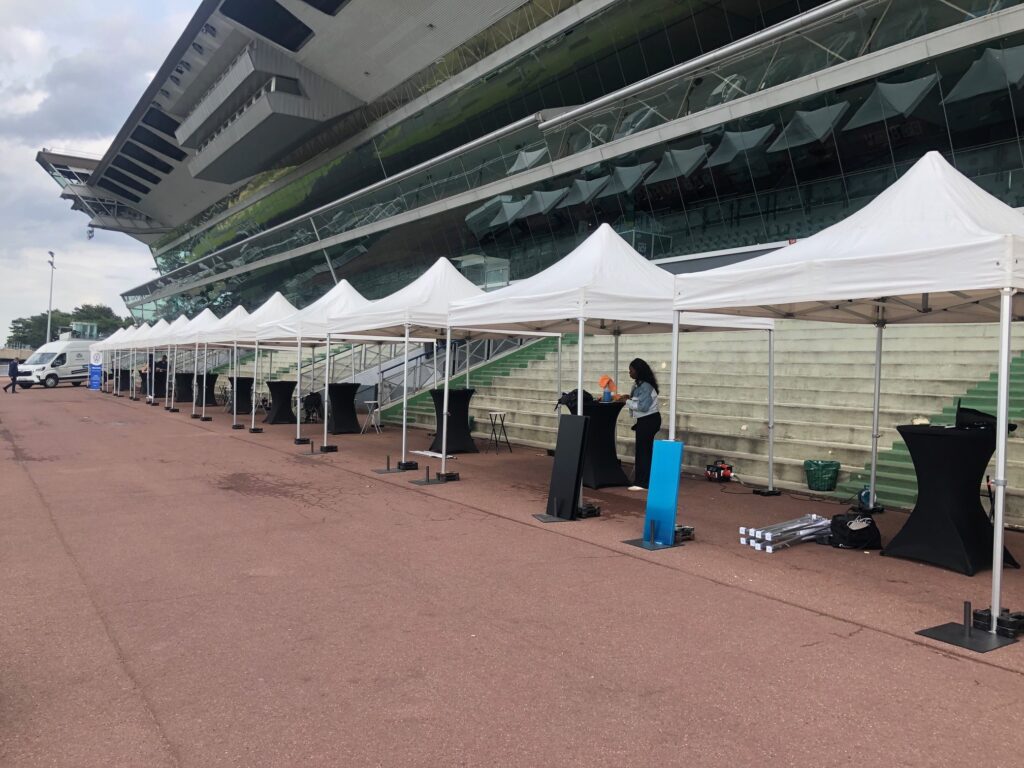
point(211, 389)
point(949, 526)
point(341, 417)
point(183, 387)
point(160, 384)
point(143, 385)
point(459, 438)
point(242, 394)
point(601, 465)
point(125, 383)
point(281, 402)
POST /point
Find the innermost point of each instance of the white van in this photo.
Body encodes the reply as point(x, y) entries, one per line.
point(66, 360)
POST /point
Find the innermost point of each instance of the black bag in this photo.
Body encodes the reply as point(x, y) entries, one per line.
point(568, 399)
point(854, 530)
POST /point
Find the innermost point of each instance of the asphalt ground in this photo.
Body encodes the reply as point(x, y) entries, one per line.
point(176, 593)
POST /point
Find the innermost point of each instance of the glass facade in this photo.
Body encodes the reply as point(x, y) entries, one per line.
point(771, 176)
point(625, 43)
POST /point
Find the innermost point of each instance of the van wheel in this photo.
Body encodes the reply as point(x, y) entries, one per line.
point(51, 381)
point(76, 383)
point(24, 386)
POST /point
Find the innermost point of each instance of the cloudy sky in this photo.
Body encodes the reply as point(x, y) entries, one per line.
point(70, 72)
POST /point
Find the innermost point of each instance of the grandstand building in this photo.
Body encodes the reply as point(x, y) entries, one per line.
point(287, 144)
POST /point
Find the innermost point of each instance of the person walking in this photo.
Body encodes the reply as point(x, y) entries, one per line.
point(643, 406)
point(12, 371)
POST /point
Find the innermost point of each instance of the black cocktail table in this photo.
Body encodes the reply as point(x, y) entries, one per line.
point(948, 526)
point(241, 393)
point(183, 387)
point(459, 438)
point(280, 402)
point(341, 416)
point(601, 465)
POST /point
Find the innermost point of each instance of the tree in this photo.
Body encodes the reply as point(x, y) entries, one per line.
point(31, 331)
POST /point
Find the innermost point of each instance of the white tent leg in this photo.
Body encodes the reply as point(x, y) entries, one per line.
point(234, 386)
point(673, 392)
point(579, 373)
point(298, 391)
point(255, 381)
point(771, 409)
point(558, 374)
point(195, 377)
point(615, 357)
point(874, 413)
point(467, 362)
point(433, 359)
point(444, 402)
point(352, 360)
point(206, 368)
point(405, 395)
point(327, 379)
point(1002, 423)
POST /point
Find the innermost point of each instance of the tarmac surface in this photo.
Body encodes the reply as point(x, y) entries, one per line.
point(176, 593)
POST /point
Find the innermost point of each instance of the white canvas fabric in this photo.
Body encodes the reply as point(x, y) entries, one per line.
point(160, 339)
point(421, 304)
point(108, 343)
point(276, 308)
point(189, 333)
point(127, 340)
point(934, 247)
point(603, 280)
point(311, 322)
point(223, 331)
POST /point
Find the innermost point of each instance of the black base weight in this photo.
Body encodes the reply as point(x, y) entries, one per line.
point(767, 492)
point(328, 449)
point(173, 410)
point(206, 418)
point(194, 416)
point(255, 430)
point(448, 477)
point(302, 441)
point(405, 466)
point(977, 640)
point(238, 426)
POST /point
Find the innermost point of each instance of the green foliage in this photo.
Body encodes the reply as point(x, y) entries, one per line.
point(31, 331)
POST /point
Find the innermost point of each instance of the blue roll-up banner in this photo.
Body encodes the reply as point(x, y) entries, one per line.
point(663, 492)
point(96, 370)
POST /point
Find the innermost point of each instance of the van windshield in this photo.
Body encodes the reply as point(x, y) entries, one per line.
point(41, 358)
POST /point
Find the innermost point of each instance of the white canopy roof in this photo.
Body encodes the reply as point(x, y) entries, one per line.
point(108, 343)
point(127, 341)
point(224, 329)
point(189, 334)
point(423, 303)
point(311, 322)
point(607, 282)
point(274, 309)
point(934, 247)
point(161, 339)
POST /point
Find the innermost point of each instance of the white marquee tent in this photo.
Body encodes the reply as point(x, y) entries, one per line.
point(934, 247)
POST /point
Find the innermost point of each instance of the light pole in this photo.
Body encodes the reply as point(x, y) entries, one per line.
point(49, 305)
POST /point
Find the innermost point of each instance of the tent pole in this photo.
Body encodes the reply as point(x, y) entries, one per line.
point(467, 361)
point(195, 377)
point(255, 381)
point(298, 389)
point(558, 375)
point(433, 359)
point(771, 409)
point(206, 368)
point(615, 360)
point(234, 386)
point(444, 405)
point(579, 371)
point(673, 376)
point(327, 378)
point(880, 326)
point(405, 393)
point(167, 379)
point(352, 360)
point(1002, 423)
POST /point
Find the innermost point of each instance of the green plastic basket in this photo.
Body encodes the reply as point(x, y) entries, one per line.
point(821, 475)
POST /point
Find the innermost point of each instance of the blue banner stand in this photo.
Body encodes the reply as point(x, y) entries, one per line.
point(662, 497)
point(95, 376)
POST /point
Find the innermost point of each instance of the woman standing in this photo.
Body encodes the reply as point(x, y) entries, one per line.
point(643, 406)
